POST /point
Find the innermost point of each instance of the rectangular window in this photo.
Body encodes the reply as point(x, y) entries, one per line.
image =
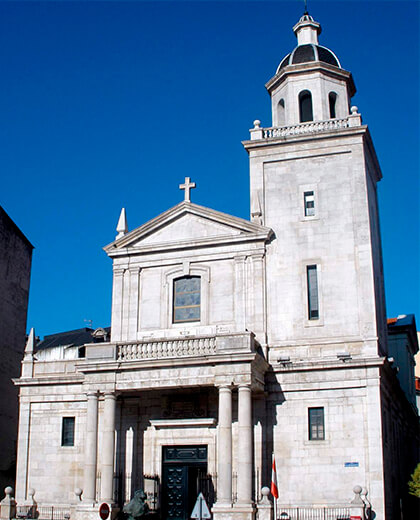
point(309, 203)
point(316, 424)
point(67, 432)
point(313, 303)
point(187, 299)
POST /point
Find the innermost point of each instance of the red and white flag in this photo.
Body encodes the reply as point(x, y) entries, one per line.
point(274, 488)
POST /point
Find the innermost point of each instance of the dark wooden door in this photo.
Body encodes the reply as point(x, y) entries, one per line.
point(182, 470)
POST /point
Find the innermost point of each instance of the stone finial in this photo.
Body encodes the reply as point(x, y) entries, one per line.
point(8, 505)
point(78, 492)
point(31, 495)
point(355, 119)
point(357, 500)
point(8, 491)
point(364, 495)
point(256, 211)
point(30, 343)
point(265, 492)
point(28, 358)
point(122, 224)
point(256, 132)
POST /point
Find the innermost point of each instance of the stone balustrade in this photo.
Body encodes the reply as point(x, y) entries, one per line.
point(167, 348)
point(184, 347)
point(311, 127)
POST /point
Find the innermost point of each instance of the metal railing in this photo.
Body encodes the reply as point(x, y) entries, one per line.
point(313, 513)
point(42, 512)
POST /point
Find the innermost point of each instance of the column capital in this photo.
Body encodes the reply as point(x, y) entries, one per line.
point(244, 386)
point(110, 395)
point(226, 386)
point(91, 394)
point(257, 256)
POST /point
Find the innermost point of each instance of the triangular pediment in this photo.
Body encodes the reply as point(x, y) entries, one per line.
point(189, 225)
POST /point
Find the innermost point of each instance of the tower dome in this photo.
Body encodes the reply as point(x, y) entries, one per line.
point(308, 49)
point(309, 84)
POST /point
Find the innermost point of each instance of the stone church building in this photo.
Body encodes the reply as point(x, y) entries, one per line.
point(233, 340)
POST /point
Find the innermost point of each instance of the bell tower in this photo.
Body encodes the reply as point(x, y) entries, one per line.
point(313, 177)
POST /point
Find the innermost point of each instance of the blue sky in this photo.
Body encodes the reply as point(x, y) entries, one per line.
point(112, 104)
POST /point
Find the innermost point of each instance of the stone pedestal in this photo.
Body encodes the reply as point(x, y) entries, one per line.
point(8, 505)
point(237, 512)
point(265, 506)
point(91, 512)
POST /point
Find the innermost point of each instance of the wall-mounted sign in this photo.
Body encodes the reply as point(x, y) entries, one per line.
point(351, 464)
point(104, 511)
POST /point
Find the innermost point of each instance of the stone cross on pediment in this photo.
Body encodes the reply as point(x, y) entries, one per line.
point(187, 186)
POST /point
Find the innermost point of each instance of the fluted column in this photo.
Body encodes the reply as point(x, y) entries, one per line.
point(224, 445)
point(245, 445)
point(108, 448)
point(91, 447)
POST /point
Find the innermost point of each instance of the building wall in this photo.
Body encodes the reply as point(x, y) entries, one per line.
point(325, 471)
point(15, 268)
point(401, 443)
point(337, 240)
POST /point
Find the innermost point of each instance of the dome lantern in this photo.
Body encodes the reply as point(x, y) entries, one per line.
point(307, 30)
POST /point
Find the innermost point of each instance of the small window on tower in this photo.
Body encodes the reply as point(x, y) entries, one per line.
point(309, 203)
point(332, 98)
point(305, 106)
point(313, 301)
point(67, 431)
point(281, 113)
point(316, 424)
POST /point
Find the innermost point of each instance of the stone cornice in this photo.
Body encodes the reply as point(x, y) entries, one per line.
point(249, 231)
point(305, 68)
point(328, 364)
point(150, 364)
point(49, 380)
point(191, 245)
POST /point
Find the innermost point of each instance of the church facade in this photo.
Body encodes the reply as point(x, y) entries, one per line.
point(233, 340)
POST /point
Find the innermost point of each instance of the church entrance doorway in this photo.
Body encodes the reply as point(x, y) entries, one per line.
point(184, 476)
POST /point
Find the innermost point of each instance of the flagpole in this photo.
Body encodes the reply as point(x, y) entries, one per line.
point(273, 465)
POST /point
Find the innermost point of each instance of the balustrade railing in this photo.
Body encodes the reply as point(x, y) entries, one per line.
point(158, 349)
point(311, 127)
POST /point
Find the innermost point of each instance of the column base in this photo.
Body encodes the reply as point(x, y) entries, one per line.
point(235, 512)
point(90, 511)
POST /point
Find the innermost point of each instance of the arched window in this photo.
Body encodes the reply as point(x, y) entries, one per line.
point(186, 299)
point(281, 113)
point(332, 98)
point(305, 106)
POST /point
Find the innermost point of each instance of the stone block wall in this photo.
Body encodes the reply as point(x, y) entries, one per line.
point(15, 269)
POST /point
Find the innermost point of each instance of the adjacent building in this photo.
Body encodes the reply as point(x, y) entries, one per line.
point(233, 340)
point(15, 271)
